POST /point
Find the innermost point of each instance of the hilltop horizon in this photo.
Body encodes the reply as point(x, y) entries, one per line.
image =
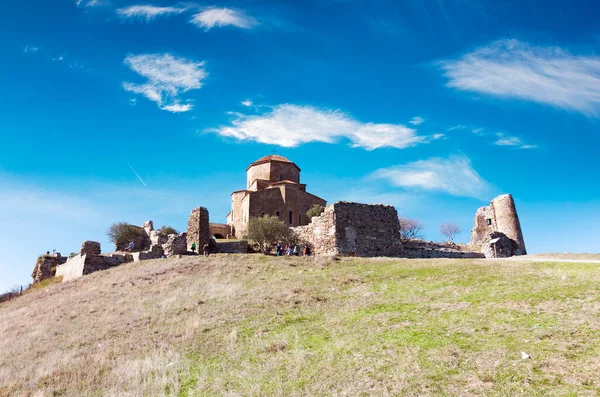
point(132, 111)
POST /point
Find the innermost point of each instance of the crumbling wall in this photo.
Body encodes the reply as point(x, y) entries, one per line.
point(498, 245)
point(175, 244)
point(320, 234)
point(88, 261)
point(232, 247)
point(427, 249)
point(354, 229)
point(500, 216)
point(45, 267)
point(198, 230)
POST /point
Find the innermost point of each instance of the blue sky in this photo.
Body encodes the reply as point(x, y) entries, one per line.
point(435, 107)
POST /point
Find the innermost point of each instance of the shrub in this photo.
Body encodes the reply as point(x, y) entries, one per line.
point(315, 210)
point(410, 228)
point(267, 231)
point(168, 230)
point(121, 233)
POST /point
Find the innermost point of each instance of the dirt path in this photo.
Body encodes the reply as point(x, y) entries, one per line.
point(546, 259)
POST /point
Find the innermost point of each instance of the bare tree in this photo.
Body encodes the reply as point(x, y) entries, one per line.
point(450, 230)
point(410, 228)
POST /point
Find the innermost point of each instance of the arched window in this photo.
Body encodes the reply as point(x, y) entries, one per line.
point(277, 214)
point(281, 177)
point(291, 219)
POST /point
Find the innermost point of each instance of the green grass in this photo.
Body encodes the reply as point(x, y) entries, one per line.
point(411, 328)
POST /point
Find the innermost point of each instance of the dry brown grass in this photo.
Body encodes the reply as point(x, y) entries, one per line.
point(254, 325)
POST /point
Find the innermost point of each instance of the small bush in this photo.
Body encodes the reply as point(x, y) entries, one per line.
point(121, 233)
point(168, 230)
point(315, 210)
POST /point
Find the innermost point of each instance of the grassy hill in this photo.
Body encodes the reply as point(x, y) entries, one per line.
point(264, 326)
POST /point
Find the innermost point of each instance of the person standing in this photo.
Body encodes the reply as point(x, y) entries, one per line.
point(194, 248)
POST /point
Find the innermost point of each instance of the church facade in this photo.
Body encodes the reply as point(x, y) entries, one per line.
point(272, 188)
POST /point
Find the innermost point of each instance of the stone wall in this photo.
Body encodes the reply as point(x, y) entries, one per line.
point(198, 230)
point(88, 261)
point(428, 249)
point(175, 244)
point(220, 229)
point(354, 229)
point(232, 247)
point(45, 267)
point(498, 245)
point(500, 216)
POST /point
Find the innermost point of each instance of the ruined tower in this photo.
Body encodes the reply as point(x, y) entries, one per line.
point(500, 216)
point(198, 230)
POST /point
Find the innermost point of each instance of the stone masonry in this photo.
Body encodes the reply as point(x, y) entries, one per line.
point(198, 230)
point(353, 229)
point(500, 216)
point(45, 267)
point(414, 248)
point(89, 260)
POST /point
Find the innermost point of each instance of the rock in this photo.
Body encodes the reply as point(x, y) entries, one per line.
point(525, 356)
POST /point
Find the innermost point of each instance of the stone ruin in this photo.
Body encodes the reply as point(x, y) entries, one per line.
point(198, 230)
point(89, 260)
point(498, 245)
point(500, 221)
point(353, 229)
point(416, 248)
point(151, 244)
point(45, 267)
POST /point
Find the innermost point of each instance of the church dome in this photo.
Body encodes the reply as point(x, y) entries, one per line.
point(271, 158)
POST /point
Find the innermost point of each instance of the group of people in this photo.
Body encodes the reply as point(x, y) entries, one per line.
point(282, 250)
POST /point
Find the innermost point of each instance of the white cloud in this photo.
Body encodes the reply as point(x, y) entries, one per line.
point(247, 103)
point(89, 3)
point(438, 136)
point(513, 69)
point(30, 49)
point(178, 108)
point(292, 125)
point(148, 12)
point(504, 140)
point(168, 77)
point(453, 175)
point(218, 17)
point(417, 120)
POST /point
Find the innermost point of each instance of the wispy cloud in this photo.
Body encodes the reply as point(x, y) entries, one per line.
point(292, 125)
point(453, 175)
point(218, 17)
point(31, 49)
point(247, 103)
point(504, 140)
point(417, 120)
point(168, 77)
point(513, 69)
point(90, 3)
point(148, 12)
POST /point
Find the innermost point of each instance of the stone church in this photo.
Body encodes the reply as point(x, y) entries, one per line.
point(272, 188)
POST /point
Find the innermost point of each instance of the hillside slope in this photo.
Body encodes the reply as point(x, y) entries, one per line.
point(253, 325)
